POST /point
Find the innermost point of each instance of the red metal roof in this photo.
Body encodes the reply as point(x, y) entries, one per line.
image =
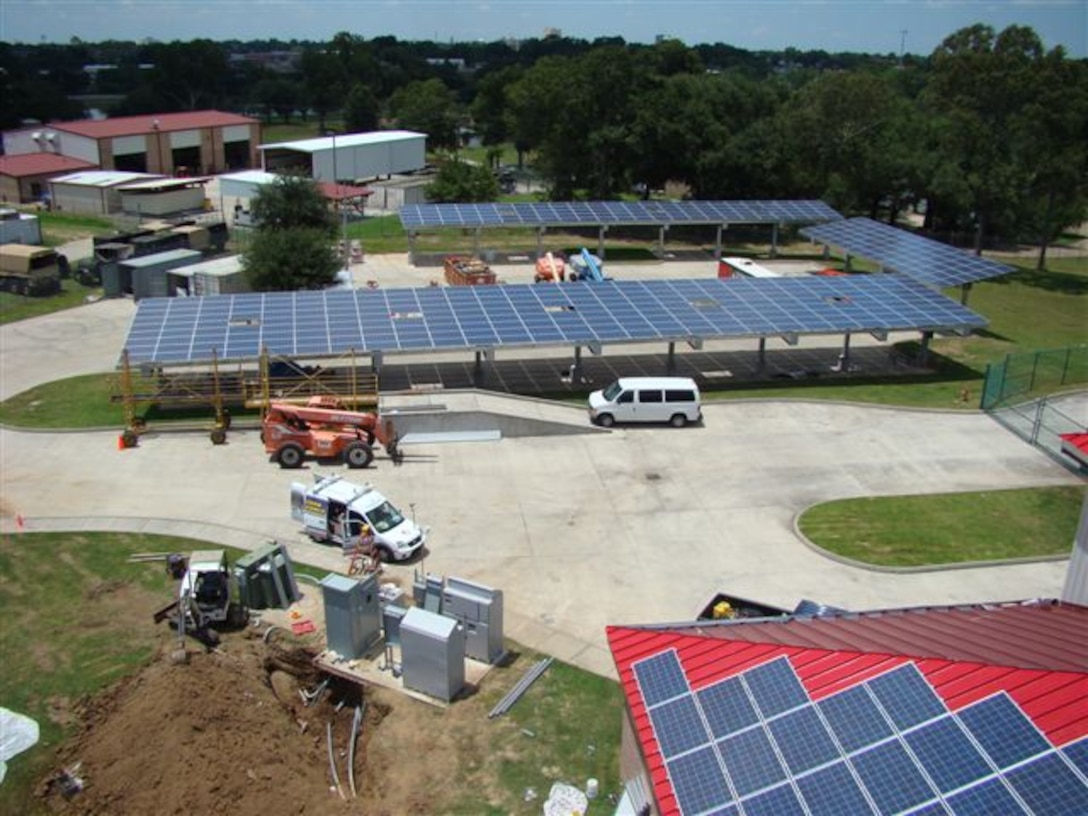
point(161, 122)
point(22, 165)
point(1035, 653)
point(342, 192)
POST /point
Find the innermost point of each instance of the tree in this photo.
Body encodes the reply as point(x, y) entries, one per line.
point(361, 109)
point(190, 75)
point(981, 87)
point(459, 181)
point(429, 107)
point(293, 244)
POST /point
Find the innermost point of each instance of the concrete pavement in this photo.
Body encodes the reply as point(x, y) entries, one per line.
point(580, 531)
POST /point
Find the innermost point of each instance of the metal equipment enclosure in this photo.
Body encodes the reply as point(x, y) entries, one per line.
point(266, 578)
point(432, 649)
point(352, 616)
point(149, 274)
point(349, 156)
point(479, 609)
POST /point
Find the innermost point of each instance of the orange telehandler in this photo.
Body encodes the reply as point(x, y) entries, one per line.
point(324, 430)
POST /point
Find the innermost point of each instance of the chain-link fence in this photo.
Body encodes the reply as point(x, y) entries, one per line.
point(1043, 421)
point(1020, 376)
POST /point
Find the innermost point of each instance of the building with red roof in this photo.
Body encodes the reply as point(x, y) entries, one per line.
point(24, 178)
point(927, 710)
point(191, 143)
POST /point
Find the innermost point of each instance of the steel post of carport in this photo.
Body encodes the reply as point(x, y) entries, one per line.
point(774, 240)
point(661, 239)
point(923, 357)
point(762, 354)
point(670, 360)
point(600, 241)
point(412, 247)
point(718, 241)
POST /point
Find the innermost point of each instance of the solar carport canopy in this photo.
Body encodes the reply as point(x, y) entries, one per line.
point(605, 213)
point(921, 258)
point(335, 322)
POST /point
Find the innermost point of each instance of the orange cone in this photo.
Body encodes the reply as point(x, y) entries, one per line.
point(20, 522)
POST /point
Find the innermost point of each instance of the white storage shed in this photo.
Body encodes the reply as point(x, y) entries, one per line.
point(93, 192)
point(349, 157)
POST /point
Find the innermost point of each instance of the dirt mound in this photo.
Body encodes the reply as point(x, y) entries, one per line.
point(226, 732)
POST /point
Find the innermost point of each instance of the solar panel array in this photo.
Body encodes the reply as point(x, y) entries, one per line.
point(582, 213)
point(332, 322)
point(756, 743)
point(922, 259)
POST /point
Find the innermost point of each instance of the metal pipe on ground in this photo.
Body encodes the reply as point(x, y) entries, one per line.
point(520, 688)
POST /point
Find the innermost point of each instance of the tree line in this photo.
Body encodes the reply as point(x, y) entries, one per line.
point(989, 132)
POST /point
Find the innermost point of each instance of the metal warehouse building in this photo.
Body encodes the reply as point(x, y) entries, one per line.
point(349, 157)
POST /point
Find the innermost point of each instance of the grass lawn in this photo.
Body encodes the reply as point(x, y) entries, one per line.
point(77, 617)
point(19, 307)
point(913, 531)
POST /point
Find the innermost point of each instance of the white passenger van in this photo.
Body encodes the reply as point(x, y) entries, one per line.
point(647, 399)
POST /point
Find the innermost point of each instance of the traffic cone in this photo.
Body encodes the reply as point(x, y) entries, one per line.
point(121, 442)
point(20, 522)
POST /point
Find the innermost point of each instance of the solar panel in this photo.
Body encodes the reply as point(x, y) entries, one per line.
point(601, 213)
point(726, 707)
point(906, 696)
point(887, 746)
point(780, 801)
point(660, 678)
point(949, 757)
point(896, 249)
point(698, 781)
point(1077, 753)
point(855, 719)
point(833, 790)
point(1049, 785)
point(775, 687)
point(803, 740)
point(292, 324)
point(893, 780)
point(985, 799)
point(751, 761)
point(1003, 730)
point(677, 726)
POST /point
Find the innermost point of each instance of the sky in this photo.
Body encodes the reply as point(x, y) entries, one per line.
point(869, 26)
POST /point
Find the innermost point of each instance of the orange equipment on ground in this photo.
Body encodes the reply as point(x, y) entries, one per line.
point(462, 271)
point(550, 268)
point(324, 430)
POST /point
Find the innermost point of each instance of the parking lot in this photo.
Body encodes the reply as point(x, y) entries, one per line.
point(579, 530)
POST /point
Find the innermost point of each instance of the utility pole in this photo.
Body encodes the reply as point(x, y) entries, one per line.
point(902, 45)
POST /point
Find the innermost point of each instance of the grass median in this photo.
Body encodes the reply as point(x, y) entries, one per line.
point(950, 528)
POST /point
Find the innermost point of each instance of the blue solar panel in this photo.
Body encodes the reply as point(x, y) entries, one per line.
point(677, 726)
point(855, 719)
point(1077, 753)
point(775, 687)
point(751, 761)
point(906, 696)
point(949, 757)
point(832, 791)
point(902, 251)
point(727, 707)
point(780, 801)
point(803, 740)
point(1050, 786)
point(932, 809)
point(660, 678)
point(1003, 730)
point(985, 799)
point(415, 216)
point(449, 318)
point(698, 781)
point(891, 777)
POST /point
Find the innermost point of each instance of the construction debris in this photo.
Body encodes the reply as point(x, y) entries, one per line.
point(520, 688)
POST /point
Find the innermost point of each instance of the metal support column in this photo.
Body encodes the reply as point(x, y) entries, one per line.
point(718, 242)
point(965, 290)
point(600, 242)
point(923, 357)
point(670, 360)
point(412, 248)
point(478, 369)
point(847, 264)
point(576, 366)
point(762, 354)
point(774, 240)
point(661, 239)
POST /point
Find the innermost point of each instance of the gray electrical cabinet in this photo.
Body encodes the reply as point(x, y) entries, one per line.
point(479, 609)
point(352, 617)
point(432, 654)
point(392, 615)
